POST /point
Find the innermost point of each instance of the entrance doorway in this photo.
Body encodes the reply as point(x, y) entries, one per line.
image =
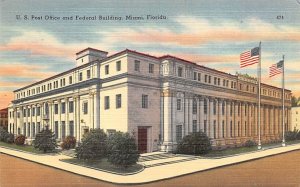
point(142, 139)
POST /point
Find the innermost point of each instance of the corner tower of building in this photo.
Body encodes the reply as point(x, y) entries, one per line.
point(88, 55)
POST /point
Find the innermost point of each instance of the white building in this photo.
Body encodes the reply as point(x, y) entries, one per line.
point(158, 99)
point(295, 118)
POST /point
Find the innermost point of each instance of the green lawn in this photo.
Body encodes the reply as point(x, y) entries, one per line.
point(27, 148)
point(103, 164)
point(239, 150)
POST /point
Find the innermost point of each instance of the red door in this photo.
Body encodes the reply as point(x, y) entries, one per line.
point(142, 140)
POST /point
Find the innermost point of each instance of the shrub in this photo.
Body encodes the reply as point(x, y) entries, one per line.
point(291, 135)
point(9, 138)
point(250, 143)
point(20, 139)
point(122, 150)
point(45, 141)
point(68, 143)
point(195, 143)
point(93, 145)
point(3, 134)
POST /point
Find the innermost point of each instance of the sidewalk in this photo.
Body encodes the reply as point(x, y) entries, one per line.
point(152, 173)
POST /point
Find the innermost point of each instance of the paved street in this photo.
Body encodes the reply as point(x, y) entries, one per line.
point(279, 170)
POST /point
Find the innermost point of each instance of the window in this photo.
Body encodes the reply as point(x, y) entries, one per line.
point(63, 108)
point(231, 129)
point(64, 82)
point(215, 80)
point(28, 112)
point(88, 74)
point(118, 65)
point(38, 111)
point(194, 125)
point(215, 129)
point(209, 79)
point(178, 132)
point(199, 76)
point(70, 80)
point(106, 102)
point(179, 72)
point(194, 106)
point(223, 108)
point(239, 107)
point(33, 112)
point(205, 78)
point(24, 129)
point(205, 106)
point(80, 76)
point(223, 129)
point(106, 69)
point(71, 107)
point(71, 128)
point(33, 129)
point(195, 75)
point(224, 82)
point(55, 108)
point(56, 129)
point(63, 129)
point(137, 65)
point(151, 68)
point(38, 127)
point(178, 104)
point(215, 107)
point(219, 80)
point(231, 109)
point(144, 101)
point(85, 107)
point(118, 101)
point(205, 126)
point(28, 130)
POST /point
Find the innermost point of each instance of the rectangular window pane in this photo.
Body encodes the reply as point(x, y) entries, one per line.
point(71, 107)
point(55, 108)
point(136, 65)
point(71, 128)
point(194, 125)
point(85, 108)
point(144, 101)
point(88, 74)
point(70, 80)
point(106, 69)
point(178, 133)
point(106, 102)
point(63, 107)
point(63, 129)
point(151, 68)
point(178, 104)
point(118, 65)
point(118, 101)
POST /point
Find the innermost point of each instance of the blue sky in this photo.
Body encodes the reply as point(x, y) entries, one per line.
point(211, 33)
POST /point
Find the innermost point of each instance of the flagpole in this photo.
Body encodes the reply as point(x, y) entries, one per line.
point(259, 93)
point(283, 99)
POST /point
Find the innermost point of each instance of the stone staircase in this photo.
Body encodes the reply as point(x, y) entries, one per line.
point(160, 159)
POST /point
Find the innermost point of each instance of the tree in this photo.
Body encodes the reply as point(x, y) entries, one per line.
point(3, 134)
point(195, 143)
point(20, 139)
point(122, 150)
point(93, 145)
point(294, 101)
point(45, 141)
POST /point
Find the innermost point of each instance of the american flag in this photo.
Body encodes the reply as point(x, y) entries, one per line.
point(249, 57)
point(276, 69)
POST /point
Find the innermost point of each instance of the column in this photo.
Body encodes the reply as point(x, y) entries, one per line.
point(67, 131)
point(243, 119)
point(235, 123)
point(211, 122)
point(186, 114)
point(271, 121)
point(97, 109)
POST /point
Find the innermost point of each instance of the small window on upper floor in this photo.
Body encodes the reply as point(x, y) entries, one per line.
point(70, 80)
point(179, 71)
point(106, 69)
point(151, 68)
point(195, 75)
point(199, 76)
point(80, 76)
point(118, 65)
point(137, 65)
point(88, 74)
